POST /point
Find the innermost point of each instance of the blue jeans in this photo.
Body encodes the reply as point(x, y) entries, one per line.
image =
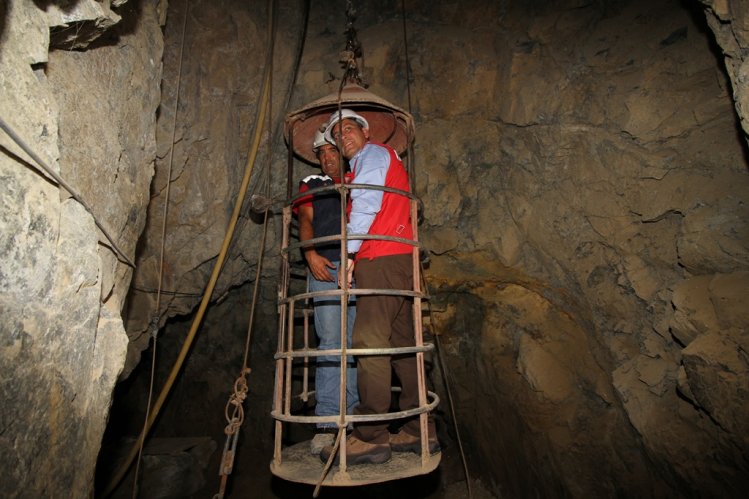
point(328, 329)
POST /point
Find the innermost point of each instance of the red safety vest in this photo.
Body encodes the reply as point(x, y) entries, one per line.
point(394, 217)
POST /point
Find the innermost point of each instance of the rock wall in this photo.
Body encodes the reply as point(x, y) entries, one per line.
point(218, 79)
point(584, 172)
point(585, 185)
point(89, 114)
point(590, 199)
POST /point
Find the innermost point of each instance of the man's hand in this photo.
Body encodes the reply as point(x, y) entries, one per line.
point(348, 275)
point(319, 266)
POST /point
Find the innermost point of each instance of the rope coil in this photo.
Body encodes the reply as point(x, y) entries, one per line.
point(234, 404)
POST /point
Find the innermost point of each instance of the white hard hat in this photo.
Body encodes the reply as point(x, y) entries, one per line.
point(319, 141)
point(345, 114)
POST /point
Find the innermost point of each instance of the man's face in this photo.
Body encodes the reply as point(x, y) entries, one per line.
point(350, 137)
point(329, 160)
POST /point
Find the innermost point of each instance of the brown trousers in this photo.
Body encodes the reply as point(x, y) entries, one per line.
point(382, 322)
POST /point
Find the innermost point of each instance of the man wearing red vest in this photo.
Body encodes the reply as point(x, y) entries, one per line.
point(382, 321)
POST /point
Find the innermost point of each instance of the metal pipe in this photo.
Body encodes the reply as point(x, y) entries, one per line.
point(296, 354)
point(361, 418)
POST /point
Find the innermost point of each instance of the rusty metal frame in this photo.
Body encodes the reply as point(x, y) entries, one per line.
point(298, 125)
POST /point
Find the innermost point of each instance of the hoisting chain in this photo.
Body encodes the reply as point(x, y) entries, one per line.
point(353, 51)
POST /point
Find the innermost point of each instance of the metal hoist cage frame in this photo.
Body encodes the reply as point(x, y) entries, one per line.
point(294, 462)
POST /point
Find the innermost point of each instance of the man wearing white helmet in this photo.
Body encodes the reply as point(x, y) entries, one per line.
point(382, 321)
point(320, 215)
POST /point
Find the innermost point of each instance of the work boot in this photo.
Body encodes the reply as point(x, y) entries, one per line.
point(319, 441)
point(404, 442)
point(359, 452)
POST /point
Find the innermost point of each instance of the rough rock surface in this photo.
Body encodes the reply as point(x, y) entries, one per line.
point(74, 25)
point(219, 79)
point(585, 186)
point(90, 116)
point(584, 172)
point(606, 201)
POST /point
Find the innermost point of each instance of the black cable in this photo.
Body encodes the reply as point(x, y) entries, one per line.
point(60, 181)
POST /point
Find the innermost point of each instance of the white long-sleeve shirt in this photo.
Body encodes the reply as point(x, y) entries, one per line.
point(370, 166)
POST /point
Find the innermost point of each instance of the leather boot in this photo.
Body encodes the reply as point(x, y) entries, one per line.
point(403, 442)
point(360, 452)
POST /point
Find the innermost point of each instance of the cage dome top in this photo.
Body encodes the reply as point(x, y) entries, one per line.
point(388, 124)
